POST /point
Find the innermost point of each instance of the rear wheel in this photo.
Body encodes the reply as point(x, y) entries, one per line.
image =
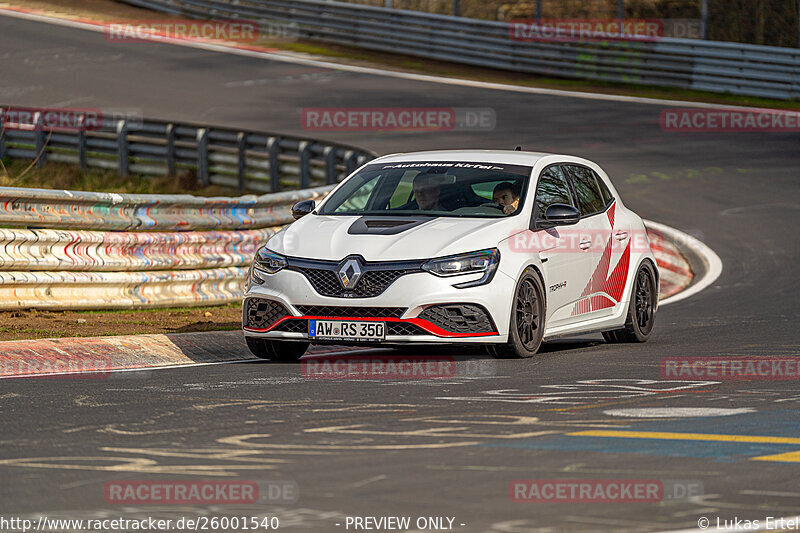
point(527, 320)
point(284, 351)
point(641, 310)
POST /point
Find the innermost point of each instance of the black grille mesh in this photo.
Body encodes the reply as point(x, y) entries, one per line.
point(403, 328)
point(293, 325)
point(351, 312)
point(260, 313)
point(459, 318)
point(372, 282)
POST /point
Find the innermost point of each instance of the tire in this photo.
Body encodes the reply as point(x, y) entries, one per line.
point(283, 351)
point(527, 320)
point(641, 309)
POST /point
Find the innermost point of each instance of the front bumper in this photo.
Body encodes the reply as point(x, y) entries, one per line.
point(417, 308)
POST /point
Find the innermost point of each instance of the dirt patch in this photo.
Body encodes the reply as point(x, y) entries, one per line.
point(33, 324)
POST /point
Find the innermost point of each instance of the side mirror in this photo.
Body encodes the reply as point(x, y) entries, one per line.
point(301, 209)
point(561, 215)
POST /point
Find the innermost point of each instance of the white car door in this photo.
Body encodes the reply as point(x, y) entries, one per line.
point(609, 259)
point(565, 262)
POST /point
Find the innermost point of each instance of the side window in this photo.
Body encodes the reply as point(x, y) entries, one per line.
point(551, 189)
point(607, 198)
point(590, 199)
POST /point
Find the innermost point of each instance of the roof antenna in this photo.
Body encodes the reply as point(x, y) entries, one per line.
point(518, 149)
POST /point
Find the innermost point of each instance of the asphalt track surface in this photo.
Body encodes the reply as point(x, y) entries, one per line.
point(435, 447)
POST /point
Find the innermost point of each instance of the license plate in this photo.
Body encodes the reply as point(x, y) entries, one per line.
point(347, 330)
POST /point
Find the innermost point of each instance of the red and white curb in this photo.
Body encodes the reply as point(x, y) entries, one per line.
point(675, 273)
point(99, 356)
point(710, 270)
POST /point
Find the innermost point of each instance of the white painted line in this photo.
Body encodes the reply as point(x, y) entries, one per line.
point(763, 526)
point(677, 412)
point(713, 264)
point(285, 58)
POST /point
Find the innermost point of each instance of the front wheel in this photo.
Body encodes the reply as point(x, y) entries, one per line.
point(641, 309)
point(284, 351)
point(527, 320)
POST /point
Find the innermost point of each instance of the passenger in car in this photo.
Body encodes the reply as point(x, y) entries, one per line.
point(506, 195)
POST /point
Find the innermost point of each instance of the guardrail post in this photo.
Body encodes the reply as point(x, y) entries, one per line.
point(41, 152)
point(170, 137)
point(122, 147)
point(330, 165)
point(82, 143)
point(241, 141)
point(2, 133)
point(538, 9)
point(350, 161)
point(456, 9)
point(274, 149)
point(704, 17)
point(202, 156)
point(304, 147)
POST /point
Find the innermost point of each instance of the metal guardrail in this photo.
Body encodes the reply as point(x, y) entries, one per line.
point(52, 268)
point(720, 67)
point(45, 208)
point(244, 160)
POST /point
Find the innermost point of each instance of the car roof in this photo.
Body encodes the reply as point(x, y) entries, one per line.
point(511, 157)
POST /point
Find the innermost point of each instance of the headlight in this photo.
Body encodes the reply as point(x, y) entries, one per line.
point(485, 261)
point(268, 262)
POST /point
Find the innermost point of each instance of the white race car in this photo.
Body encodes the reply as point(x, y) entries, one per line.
point(500, 248)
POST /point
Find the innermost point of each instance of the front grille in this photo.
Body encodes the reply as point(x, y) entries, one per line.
point(375, 277)
point(351, 312)
point(261, 314)
point(459, 318)
point(372, 282)
point(404, 328)
point(293, 325)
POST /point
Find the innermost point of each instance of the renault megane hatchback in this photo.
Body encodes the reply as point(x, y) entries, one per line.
point(499, 248)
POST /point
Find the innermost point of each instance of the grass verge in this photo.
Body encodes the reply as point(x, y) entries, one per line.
point(37, 324)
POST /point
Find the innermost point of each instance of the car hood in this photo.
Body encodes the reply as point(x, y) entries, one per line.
point(327, 237)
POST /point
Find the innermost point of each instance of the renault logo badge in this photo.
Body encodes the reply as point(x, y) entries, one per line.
point(349, 273)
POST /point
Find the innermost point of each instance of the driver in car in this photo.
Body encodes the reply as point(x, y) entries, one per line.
point(507, 197)
point(426, 189)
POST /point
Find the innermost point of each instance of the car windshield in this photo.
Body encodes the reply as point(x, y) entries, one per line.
point(432, 188)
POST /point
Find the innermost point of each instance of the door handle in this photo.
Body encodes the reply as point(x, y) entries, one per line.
point(621, 235)
point(585, 244)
